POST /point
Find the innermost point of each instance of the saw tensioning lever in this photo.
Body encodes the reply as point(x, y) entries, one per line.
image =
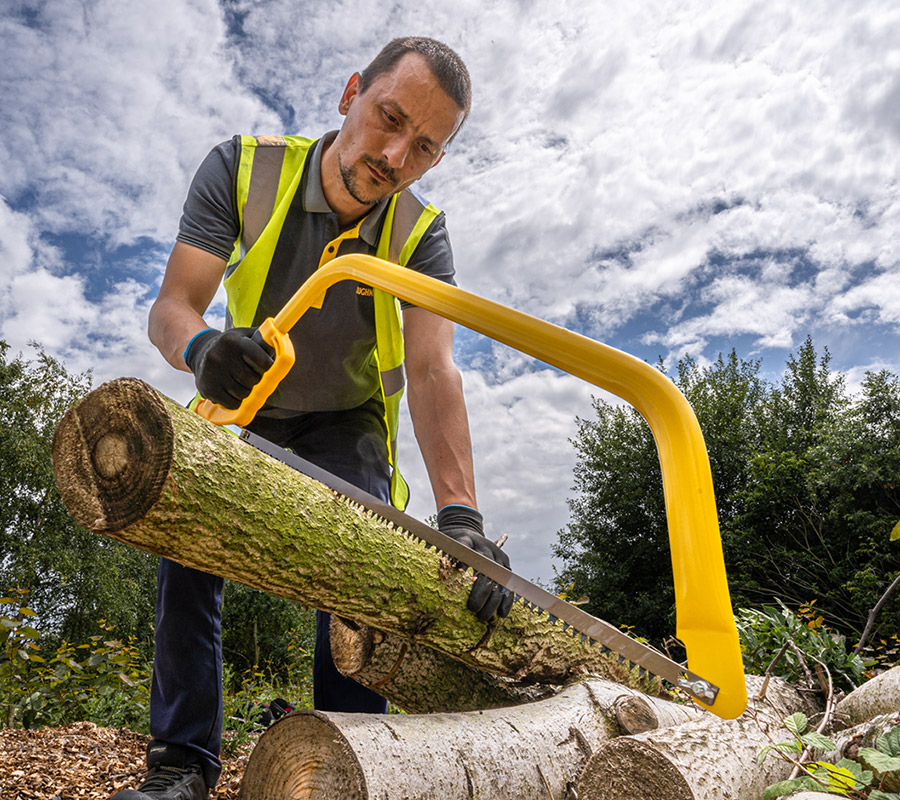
point(705, 622)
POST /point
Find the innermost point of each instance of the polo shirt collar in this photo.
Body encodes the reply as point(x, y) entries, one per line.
point(314, 196)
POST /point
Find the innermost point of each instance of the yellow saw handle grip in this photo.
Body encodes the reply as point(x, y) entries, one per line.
point(284, 359)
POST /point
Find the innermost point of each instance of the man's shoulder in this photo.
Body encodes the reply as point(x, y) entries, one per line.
point(274, 140)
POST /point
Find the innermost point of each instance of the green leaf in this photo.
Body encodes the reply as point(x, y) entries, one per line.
point(881, 762)
point(895, 533)
point(10, 622)
point(29, 633)
point(796, 723)
point(839, 778)
point(865, 777)
point(890, 742)
point(817, 741)
point(27, 612)
point(877, 794)
point(785, 788)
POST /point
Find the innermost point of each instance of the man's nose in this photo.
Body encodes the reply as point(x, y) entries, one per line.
point(396, 151)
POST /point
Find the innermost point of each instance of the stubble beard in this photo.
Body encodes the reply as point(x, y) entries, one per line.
point(355, 184)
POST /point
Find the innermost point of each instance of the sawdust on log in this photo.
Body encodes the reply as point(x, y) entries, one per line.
point(85, 762)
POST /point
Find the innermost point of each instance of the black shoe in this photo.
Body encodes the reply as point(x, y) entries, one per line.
point(169, 777)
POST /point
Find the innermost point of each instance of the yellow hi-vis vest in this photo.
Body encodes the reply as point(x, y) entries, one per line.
point(268, 176)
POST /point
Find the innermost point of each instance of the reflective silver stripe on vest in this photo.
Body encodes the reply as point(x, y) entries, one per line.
point(406, 214)
point(393, 380)
point(263, 188)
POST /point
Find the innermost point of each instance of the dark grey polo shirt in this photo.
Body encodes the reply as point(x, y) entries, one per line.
point(335, 367)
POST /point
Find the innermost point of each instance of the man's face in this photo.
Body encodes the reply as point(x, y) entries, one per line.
point(395, 131)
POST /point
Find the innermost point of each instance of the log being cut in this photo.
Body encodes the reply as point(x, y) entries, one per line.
point(144, 470)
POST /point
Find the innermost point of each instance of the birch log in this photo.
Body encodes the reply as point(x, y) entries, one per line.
point(813, 796)
point(407, 673)
point(864, 734)
point(880, 695)
point(530, 752)
point(705, 759)
point(140, 468)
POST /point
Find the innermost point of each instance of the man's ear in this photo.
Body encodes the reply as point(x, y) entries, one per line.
point(351, 90)
point(439, 158)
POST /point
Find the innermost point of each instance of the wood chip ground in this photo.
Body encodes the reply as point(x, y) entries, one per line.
point(85, 762)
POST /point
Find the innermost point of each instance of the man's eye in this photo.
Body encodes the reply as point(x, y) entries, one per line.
point(391, 118)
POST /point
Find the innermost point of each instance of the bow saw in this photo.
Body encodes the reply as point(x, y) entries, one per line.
point(705, 622)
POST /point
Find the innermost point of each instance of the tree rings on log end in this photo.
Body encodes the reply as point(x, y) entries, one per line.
point(627, 769)
point(635, 714)
point(303, 756)
point(112, 454)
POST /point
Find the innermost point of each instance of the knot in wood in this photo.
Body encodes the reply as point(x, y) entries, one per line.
point(111, 455)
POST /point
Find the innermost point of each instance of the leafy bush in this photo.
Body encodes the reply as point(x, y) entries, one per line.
point(846, 778)
point(763, 632)
point(107, 681)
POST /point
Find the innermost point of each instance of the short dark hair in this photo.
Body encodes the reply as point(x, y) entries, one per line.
point(445, 64)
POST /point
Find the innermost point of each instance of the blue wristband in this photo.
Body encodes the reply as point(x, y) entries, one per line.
point(184, 354)
point(458, 505)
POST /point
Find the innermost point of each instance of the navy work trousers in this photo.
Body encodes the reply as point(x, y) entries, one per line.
point(186, 693)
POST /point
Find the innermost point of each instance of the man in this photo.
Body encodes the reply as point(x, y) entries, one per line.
point(265, 213)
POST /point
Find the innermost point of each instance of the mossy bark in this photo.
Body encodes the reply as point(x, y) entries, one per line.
point(419, 679)
point(140, 468)
point(531, 752)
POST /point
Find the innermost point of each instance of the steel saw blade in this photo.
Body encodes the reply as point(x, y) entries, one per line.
point(534, 597)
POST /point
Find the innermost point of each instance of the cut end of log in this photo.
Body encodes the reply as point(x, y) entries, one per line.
point(351, 645)
point(627, 769)
point(635, 714)
point(112, 454)
point(303, 756)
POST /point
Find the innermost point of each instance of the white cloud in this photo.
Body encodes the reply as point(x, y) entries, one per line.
point(114, 107)
point(877, 296)
point(666, 176)
point(523, 460)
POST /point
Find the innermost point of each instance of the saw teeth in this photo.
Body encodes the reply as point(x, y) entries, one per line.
point(583, 637)
point(552, 619)
point(565, 626)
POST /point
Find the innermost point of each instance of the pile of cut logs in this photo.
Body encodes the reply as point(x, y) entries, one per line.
point(514, 709)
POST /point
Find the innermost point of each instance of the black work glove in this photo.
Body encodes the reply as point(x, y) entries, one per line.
point(227, 365)
point(466, 525)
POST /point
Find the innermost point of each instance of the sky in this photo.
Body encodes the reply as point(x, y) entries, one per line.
point(668, 178)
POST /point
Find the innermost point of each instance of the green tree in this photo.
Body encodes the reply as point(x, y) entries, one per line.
point(74, 577)
point(805, 486)
point(258, 630)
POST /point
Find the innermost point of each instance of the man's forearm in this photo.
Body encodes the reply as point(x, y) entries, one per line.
point(191, 279)
point(170, 327)
point(441, 424)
